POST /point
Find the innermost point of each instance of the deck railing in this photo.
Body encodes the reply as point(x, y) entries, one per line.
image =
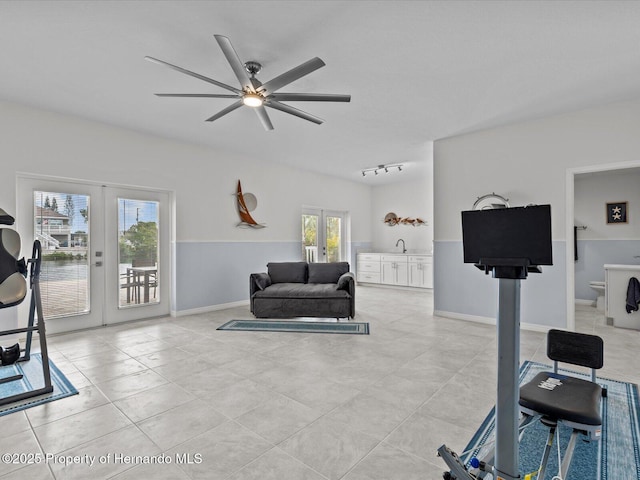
point(311, 254)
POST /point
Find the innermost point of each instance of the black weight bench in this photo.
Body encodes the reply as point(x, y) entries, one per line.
point(559, 398)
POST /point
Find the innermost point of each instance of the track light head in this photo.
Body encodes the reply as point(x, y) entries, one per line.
point(380, 168)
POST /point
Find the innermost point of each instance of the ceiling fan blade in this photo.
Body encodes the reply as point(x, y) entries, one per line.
point(193, 74)
point(291, 76)
point(222, 113)
point(293, 111)
point(264, 118)
point(195, 95)
point(311, 97)
point(236, 64)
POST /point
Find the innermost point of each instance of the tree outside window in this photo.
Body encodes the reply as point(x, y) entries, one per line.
point(333, 239)
point(140, 242)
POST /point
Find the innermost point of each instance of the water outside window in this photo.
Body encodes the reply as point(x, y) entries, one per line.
point(61, 224)
point(138, 247)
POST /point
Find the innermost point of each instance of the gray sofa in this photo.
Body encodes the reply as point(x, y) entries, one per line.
point(301, 289)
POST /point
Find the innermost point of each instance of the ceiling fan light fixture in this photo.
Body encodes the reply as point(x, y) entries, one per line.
point(252, 92)
point(252, 100)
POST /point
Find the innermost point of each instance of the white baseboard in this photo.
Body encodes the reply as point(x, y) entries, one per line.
point(465, 316)
point(579, 301)
point(489, 320)
point(209, 308)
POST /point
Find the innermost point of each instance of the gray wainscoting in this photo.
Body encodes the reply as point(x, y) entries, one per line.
point(594, 254)
point(217, 273)
point(464, 290)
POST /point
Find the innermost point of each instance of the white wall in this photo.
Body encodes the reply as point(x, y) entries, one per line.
point(526, 162)
point(204, 180)
point(413, 198)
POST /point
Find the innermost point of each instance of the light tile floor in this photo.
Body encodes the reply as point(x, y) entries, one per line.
point(208, 404)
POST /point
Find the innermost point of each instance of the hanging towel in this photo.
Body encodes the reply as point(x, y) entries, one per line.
point(633, 295)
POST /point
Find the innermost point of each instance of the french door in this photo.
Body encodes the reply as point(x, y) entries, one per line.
point(323, 235)
point(105, 250)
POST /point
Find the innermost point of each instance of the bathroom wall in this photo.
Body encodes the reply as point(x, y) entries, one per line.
point(601, 243)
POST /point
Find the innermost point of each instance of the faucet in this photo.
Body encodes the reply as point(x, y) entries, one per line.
point(404, 249)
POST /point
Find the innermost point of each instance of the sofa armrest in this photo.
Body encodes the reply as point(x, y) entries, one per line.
point(257, 282)
point(347, 281)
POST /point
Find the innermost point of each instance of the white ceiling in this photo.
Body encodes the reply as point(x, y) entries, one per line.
point(417, 71)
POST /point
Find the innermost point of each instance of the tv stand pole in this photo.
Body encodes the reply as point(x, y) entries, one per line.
point(507, 410)
point(510, 243)
point(506, 466)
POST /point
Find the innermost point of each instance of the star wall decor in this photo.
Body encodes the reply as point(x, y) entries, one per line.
point(617, 212)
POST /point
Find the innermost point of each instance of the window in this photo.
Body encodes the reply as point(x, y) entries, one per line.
point(323, 235)
point(61, 224)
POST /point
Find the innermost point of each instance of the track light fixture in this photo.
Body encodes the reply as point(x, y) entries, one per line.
point(380, 168)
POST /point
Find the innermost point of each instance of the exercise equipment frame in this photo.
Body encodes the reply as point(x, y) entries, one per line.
point(35, 310)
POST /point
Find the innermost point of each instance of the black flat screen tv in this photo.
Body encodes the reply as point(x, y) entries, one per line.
point(507, 234)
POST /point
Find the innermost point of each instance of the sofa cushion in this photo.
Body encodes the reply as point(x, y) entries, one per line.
point(298, 290)
point(327, 272)
point(287, 272)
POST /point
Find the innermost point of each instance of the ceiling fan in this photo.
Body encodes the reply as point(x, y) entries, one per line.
point(255, 94)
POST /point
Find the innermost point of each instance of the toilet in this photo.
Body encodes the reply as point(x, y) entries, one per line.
point(599, 287)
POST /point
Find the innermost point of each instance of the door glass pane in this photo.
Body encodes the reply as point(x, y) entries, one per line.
point(138, 246)
point(310, 238)
point(61, 223)
point(334, 239)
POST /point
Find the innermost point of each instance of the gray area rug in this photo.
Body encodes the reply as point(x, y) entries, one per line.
point(354, 328)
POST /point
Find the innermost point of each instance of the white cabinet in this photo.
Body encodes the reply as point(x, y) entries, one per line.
point(394, 269)
point(617, 282)
point(420, 271)
point(368, 267)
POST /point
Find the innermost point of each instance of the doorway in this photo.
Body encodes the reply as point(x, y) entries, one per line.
point(323, 235)
point(105, 250)
point(569, 227)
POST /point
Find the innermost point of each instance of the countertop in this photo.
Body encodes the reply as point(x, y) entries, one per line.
point(622, 267)
point(396, 252)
